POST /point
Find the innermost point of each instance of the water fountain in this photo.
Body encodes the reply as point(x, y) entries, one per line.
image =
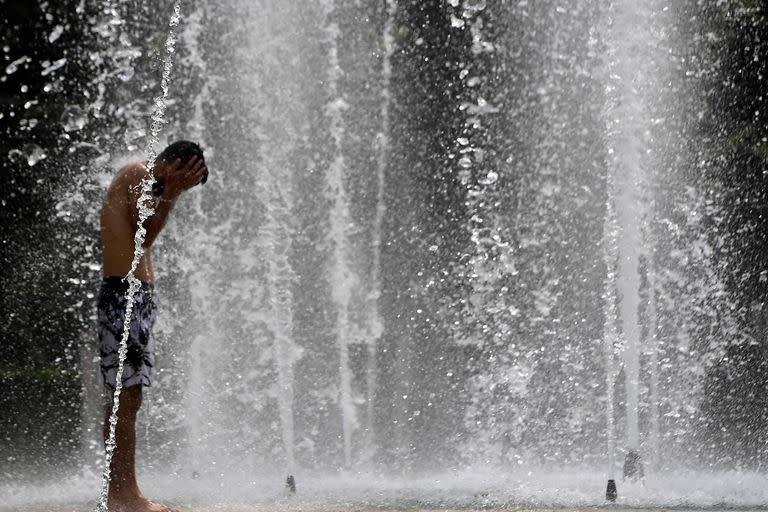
point(610, 338)
point(392, 270)
point(375, 326)
point(341, 279)
point(629, 126)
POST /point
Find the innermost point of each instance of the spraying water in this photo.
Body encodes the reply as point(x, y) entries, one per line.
point(657, 77)
point(341, 279)
point(637, 58)
point(146, 210)
point(280, 321)
point(375, 325)
point(628, 125)
point(610, 332)
point(482, 182)
point(197, 280)
point(257, 293)
point(653, 362)
point(255, 282)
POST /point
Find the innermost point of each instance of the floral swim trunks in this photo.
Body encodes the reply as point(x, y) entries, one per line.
point(140, 359)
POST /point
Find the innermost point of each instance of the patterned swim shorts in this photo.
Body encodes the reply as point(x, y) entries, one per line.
point(137, 368)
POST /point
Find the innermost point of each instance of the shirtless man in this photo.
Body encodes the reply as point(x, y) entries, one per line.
point(178, 168)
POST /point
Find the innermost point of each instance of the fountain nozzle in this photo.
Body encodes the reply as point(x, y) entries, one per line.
point(611, 493)
point(290, 484)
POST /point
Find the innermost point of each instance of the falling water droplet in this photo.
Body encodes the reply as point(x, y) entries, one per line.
point(73, 119)
point(56, 33)
point(50, 67)
point(491, 178)
point(126, 74)
point(472, 7)
point(33, 154)
point(133, 134)
point(14, 66)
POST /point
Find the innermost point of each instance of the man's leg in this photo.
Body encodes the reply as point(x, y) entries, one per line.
point(124, 493)
point(122, 484)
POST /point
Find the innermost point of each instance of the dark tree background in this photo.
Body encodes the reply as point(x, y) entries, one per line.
point(38, 303)
point(736, 412)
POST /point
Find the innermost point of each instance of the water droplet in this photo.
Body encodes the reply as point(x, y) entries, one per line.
point(73, 119)
point(133, 134)
point(15, 154)
point(33, 154)
point(175, 19)
point(55, 33)
point(49, 68)
point(102, 160)
point(491, 178)
point(14, 66)
point(473, 6)
point(126, 74)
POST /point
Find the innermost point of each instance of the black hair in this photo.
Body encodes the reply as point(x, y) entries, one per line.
point(183, 150)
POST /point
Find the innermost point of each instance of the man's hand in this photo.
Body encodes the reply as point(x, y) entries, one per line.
point(180, 178)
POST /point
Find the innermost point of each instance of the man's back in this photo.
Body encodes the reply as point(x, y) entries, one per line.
point(118, 225)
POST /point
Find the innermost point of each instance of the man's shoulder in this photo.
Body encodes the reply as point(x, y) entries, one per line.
point(128, 175)
point(132, 171)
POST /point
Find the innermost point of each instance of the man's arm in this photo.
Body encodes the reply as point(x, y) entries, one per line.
point(178, 180)
point(155, 224)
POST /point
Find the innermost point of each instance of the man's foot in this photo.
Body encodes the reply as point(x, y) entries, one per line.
point(136, 504)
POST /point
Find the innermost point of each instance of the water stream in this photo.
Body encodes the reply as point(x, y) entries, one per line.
point(636, 68)
point(375, 321)
point(629, 128)
point(340, 275)
point(610, 330)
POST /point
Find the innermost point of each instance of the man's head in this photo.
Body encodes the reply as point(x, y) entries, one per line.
point(182, 150)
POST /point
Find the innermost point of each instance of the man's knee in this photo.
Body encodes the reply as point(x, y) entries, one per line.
point(132, 397)
point(130, 401)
